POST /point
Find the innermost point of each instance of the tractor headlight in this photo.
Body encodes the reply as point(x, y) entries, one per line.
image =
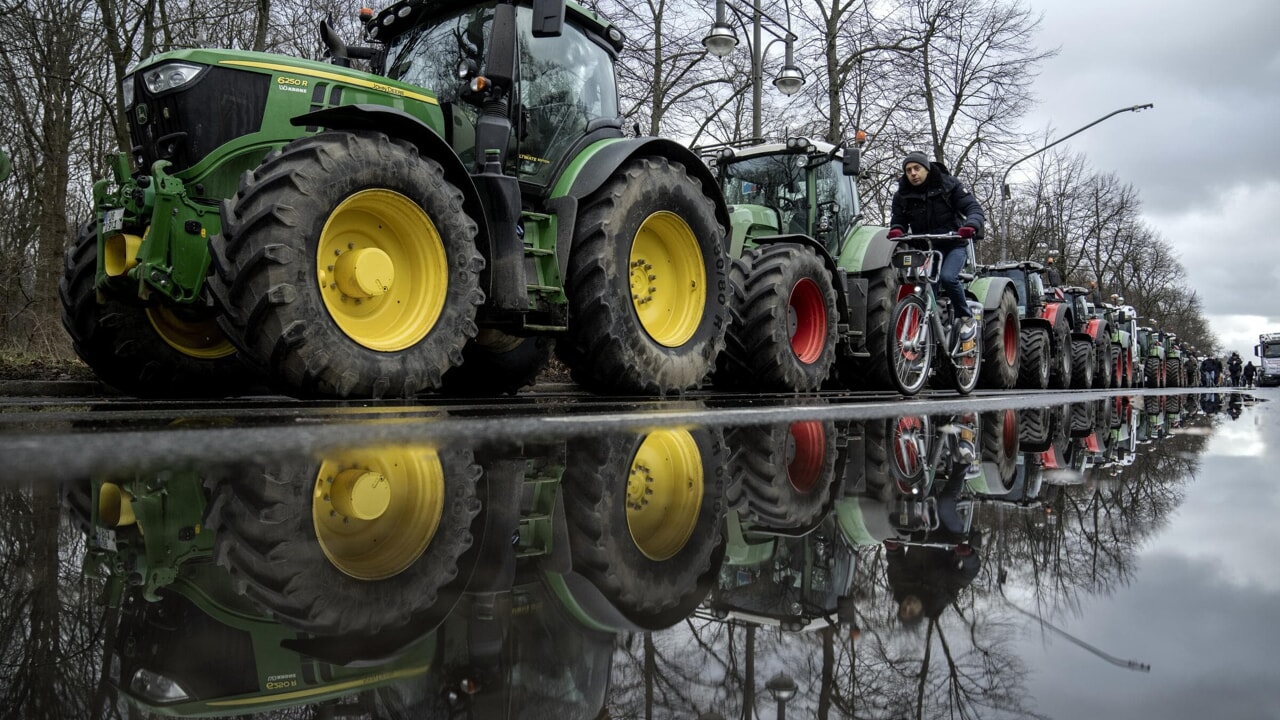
point(157, 687)
point(126, 91)
point(169, 76)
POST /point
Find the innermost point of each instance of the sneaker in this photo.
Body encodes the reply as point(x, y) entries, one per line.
point(968, 329)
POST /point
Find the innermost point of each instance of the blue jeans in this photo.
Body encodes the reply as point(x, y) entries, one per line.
point(953, 259)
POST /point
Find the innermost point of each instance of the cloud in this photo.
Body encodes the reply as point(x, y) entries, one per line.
point(1204, 160)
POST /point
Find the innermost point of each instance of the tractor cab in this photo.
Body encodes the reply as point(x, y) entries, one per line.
point(560, 74)
point(1027, 279)
point(797, 187)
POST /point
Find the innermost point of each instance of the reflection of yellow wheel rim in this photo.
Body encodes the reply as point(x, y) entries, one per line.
point(664, 493)
point(376, 511)
point(201, 339)
point(382, 270)
point(668, 279)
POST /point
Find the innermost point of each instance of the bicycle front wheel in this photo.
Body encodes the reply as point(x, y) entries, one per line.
point(910, 345)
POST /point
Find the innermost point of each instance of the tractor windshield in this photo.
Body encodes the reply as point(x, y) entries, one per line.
point(824, 209)
point(774, 181)
point(1271, 350)
point(564, 83)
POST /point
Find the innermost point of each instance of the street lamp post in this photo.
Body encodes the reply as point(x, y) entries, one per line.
point(782, 688)
point(1004, 179)
point(721, 40)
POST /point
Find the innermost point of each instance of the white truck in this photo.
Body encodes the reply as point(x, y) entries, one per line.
point(1268, 349)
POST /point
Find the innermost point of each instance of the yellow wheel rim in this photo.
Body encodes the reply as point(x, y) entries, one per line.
point(201, 339)
point(664, 493)
point(376, 511)
point(668, 279)
point(382, 270)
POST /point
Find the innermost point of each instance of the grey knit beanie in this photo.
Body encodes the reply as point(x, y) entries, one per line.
point(916, 157)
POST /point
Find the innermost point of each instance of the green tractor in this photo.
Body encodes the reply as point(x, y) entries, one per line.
point(440, 222)
point(813, 284)
point(305, 570)
point(1151, 345)
point(1044, 329)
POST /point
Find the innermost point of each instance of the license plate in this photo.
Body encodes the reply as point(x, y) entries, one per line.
point(113, 220)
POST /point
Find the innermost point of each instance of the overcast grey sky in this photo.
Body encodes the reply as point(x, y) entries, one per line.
point(1206, 159)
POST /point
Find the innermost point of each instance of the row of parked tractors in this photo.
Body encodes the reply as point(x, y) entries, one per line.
point(448, 220)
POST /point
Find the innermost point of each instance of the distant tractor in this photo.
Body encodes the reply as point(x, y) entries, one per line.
point(440, 222)
point(1093, 354)
point(813, 283)
point(1044, 325)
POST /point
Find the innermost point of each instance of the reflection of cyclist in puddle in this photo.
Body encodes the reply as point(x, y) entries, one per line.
point(927, 573)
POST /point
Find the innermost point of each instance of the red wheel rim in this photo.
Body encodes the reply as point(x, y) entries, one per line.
point(1010, 341)
point(809, 445)
point(1009, 434)
point(809, 321)
point(908, 329)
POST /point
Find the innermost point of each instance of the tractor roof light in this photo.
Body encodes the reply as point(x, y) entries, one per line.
point(169, 76)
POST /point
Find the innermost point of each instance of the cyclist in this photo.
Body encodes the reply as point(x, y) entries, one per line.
point(930, 200)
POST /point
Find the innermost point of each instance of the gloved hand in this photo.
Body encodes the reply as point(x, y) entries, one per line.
point(894, 234)
point(965, 232)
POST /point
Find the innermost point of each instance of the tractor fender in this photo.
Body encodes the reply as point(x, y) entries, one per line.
point(599, 161)
point(1036, 322)
point(866, 250)
point(400, 124)
point(989, 289)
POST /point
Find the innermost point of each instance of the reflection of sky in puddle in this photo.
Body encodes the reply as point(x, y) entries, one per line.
point(1199, 606)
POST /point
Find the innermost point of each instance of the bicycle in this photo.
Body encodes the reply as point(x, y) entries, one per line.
point(921, 321)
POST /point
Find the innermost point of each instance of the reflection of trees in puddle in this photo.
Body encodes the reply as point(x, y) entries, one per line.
point(1051, 545)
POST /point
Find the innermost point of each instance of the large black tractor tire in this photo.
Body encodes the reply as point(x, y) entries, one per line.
point(496, 363)
point(1001, 345)
point(361, 542)
point(1082, 364)
point(1001, 435)
point(1173, 373)
point(872, 372)
point(787, 471)
point(647, 283)
point(150, 351)
point(348, 268)
point(1034, 363)
point(785, 339)
point(730, 374)
point(645, 515)
point(1105, 370)
point(1153, 372)
point(1035, 428)
point(1061, 356)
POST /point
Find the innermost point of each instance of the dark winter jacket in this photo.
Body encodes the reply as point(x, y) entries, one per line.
point(940, 205)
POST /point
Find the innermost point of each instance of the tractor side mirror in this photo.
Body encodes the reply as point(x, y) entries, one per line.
point(548, 18)
point(852, 166)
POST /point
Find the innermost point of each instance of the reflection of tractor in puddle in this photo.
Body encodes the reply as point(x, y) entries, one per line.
point(474, 569)
point(812, 493)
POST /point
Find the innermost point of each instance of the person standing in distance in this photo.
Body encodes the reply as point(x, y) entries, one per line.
point(931, 201)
